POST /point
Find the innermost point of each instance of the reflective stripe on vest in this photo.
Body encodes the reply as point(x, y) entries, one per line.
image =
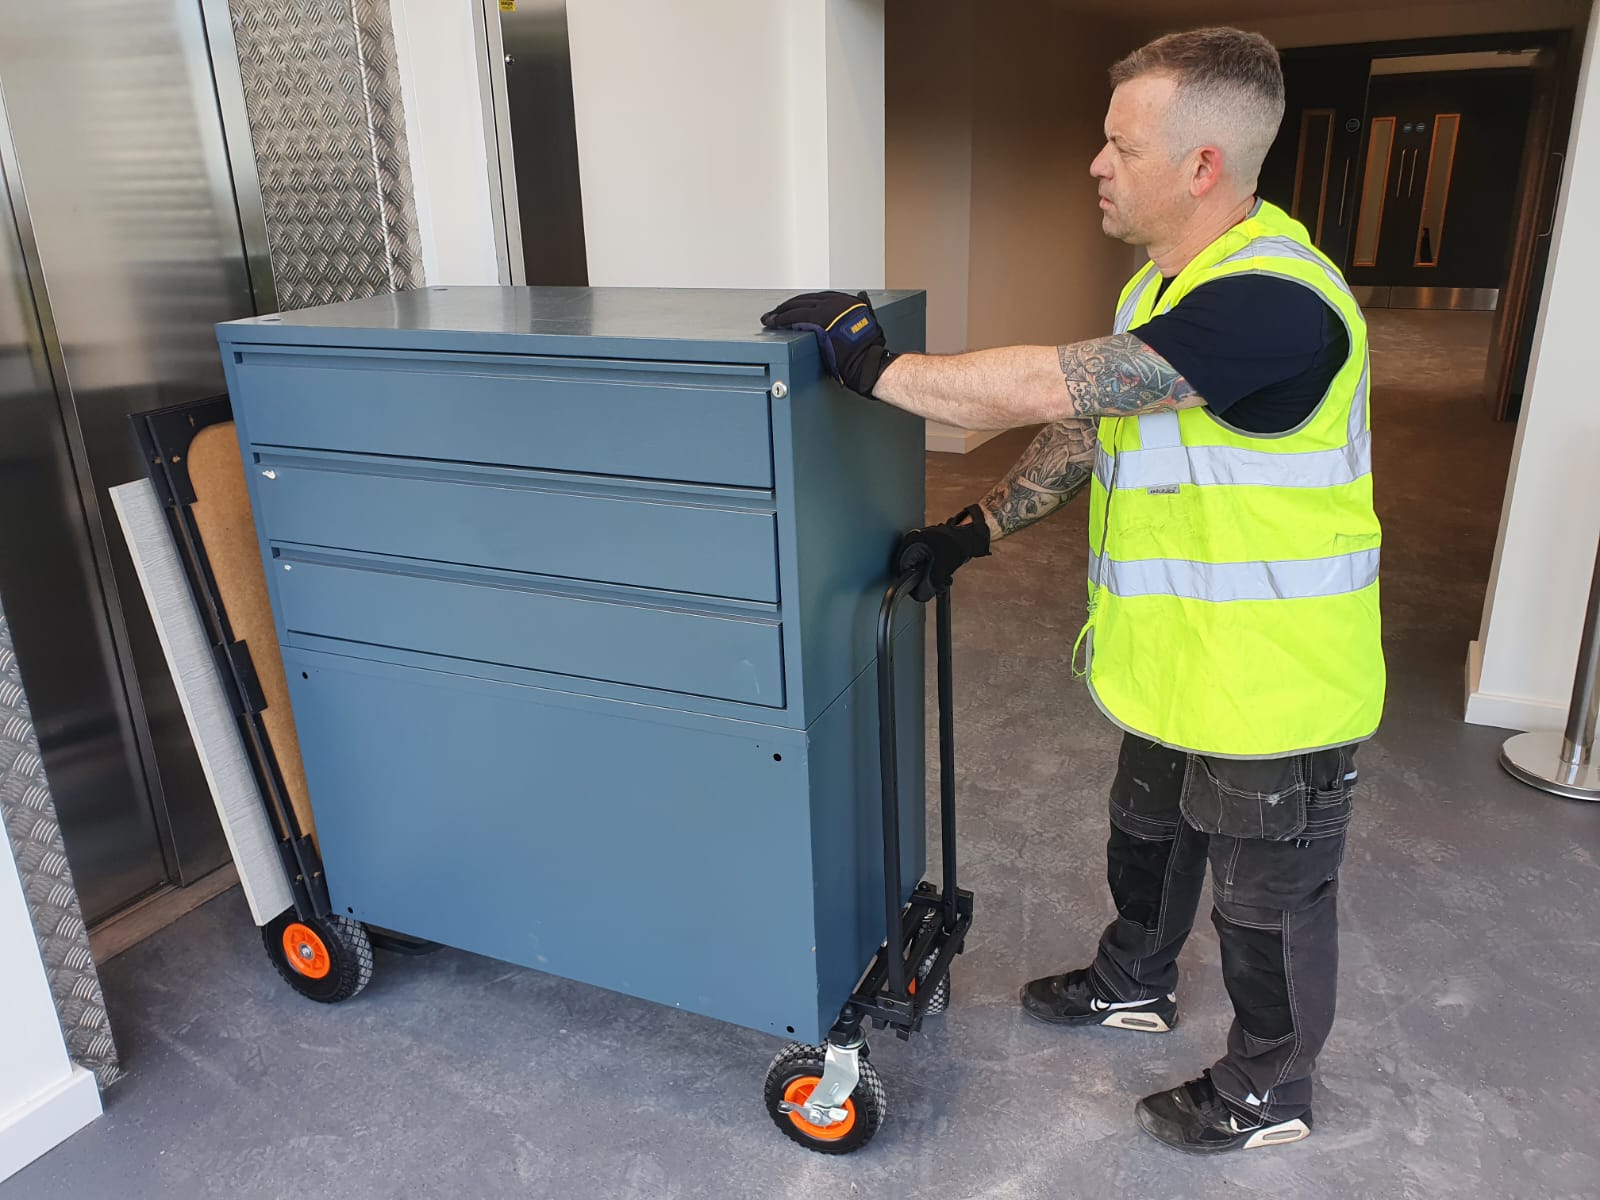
point(1220, 583)
point(1130, 305)
point(1283, 247)
point(1264, 248)
point(1234, 589)
point(1207, 466)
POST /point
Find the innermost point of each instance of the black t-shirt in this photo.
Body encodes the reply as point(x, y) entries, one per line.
point(1261, 350)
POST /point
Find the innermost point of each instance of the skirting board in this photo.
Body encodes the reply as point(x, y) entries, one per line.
point(205, 703)
point(47, 1120)
point(1506, 712)
point(947, 439)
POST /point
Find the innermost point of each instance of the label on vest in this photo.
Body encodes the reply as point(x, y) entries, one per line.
point(1168, 489)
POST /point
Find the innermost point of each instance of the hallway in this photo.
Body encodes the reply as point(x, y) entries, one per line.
point(1462, 1062)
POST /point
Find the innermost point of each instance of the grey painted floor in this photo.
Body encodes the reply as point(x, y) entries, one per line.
point(1464, 1062)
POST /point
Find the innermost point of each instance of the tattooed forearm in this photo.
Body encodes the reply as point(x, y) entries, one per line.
point(1055, 468)
point(1022, 385)
point(1120, 376)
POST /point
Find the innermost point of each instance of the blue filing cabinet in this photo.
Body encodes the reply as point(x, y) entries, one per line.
point(577, 591)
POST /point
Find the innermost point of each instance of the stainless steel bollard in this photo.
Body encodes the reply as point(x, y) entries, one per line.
point(1564, 763)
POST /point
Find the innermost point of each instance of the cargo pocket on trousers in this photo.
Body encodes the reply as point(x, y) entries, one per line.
point(1147, 789)
point(1261, 798)
point(1330, 792)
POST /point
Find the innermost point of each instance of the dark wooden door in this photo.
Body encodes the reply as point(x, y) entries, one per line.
point(1311, 171)
point(1439, 179)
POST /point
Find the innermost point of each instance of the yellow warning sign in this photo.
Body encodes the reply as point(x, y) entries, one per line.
point(508, 5)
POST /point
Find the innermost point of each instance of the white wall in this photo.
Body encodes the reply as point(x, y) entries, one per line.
point(724, 143)
point(1520, 670)
point(443, 89)
point(853, 63)
point(43, 1098)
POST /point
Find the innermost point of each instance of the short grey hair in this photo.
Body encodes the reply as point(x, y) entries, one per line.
point(1229, 94)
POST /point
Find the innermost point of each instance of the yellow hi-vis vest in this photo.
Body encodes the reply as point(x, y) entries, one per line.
point(1233, 577)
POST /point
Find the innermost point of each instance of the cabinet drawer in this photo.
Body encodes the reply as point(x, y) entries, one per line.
point(591, 634)
point(696, 422)
point(506, 520)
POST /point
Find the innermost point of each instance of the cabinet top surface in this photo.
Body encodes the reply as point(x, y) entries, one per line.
point(665, 314)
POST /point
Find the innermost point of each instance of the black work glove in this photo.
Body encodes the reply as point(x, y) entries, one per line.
point(847, 333)
point(944, 548)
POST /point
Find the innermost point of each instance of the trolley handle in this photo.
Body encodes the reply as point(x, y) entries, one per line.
point(907, 582)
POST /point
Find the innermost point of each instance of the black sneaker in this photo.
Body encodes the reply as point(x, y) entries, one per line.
point(1194, 1119)
point(1072, 999)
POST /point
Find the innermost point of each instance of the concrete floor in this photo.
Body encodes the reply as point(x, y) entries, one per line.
point(1463, 1062)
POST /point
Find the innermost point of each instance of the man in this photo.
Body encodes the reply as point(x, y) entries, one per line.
point(1233, 601)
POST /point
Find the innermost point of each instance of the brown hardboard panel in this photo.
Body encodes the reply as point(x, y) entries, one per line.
point(227, 528)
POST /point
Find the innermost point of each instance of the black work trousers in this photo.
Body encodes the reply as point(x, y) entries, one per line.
point(1273, 831)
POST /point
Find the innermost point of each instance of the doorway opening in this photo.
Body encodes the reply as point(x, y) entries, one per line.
point(1428, 171)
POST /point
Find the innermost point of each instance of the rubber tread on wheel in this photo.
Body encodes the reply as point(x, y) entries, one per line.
point(326, 959)
point(786, 1078)
point(940, 998)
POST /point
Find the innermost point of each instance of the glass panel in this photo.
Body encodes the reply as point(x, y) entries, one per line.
point(1436, 191)
point(1311, 171)
point(1370, 222)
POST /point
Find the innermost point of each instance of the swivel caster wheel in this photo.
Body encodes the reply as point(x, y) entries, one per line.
point(793, 1081)
point(326, 959)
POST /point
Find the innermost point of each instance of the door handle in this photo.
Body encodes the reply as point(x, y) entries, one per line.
point(1344, 187)
point(1411, 184)
point(1555, 199)
point(1399, 178)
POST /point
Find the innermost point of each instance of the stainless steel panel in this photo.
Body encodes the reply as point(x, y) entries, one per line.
point(1459, 299)
point(28, 819)
point(323, 98)
point(55, 604)
point(544, 136)
point(115, 121)
point(497, 121)
point(241, 152)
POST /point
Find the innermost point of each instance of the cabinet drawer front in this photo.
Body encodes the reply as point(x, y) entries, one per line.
point(696, 422)
point(610, 535)
point(618, 639)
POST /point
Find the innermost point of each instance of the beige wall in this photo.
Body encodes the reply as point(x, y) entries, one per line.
point(927, 84)
point(1042, 271)
point(991, 123)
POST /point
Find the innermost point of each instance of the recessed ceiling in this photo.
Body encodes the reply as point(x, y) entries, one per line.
point(1201, 12)
point(1481, 61)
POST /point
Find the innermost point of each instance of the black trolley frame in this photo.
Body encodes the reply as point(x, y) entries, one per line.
point(164, 436)
point(932, 927)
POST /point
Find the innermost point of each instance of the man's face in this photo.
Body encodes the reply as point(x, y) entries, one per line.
point(1144, 195)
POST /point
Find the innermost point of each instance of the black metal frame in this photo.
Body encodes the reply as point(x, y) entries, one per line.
point(164, 437)
point(935, 921)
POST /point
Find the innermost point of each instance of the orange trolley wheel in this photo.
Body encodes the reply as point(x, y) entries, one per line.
point(327, 959)
point(795, 1074)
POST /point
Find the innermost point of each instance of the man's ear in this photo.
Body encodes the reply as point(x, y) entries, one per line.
point(1205, 170)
